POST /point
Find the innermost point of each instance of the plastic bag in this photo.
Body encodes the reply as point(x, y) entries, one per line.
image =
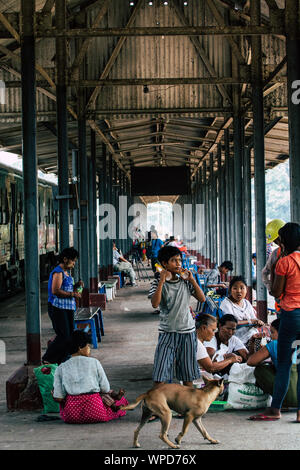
point(246, 397)
point(241, 374)
point(243, 393)
point(45, 378)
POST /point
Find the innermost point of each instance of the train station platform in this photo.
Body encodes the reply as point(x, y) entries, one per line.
point(126, 353)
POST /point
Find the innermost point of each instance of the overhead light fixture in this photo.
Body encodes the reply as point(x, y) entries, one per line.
point(146, 89)
point(150, 3)
point(165, 3)
point(185, 4)
point(131, 4)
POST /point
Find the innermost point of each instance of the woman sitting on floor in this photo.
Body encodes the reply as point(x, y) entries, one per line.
point(82, 389)
point(237, 305)
point(225, 344)
point(206, 326)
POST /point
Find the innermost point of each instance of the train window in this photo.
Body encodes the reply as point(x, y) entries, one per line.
point(52, 213)
point(6, 207)
point(20, 209)
point(40, 207)
point(48, 212)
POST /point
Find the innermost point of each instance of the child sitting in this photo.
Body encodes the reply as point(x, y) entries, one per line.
point(241, 309)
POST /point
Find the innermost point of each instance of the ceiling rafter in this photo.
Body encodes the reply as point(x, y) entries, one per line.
point(92, 100)
point(87, 42)
point(221, 22)
point(227, 123)
point(104, 139)
point(201, 52)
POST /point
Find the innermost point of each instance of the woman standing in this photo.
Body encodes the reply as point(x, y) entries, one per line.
point(286, 282)
point(62, 297)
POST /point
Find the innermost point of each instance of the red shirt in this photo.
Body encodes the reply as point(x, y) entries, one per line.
point(289, 267)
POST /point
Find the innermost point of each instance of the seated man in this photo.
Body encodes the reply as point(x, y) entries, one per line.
point(121, 264)
point(214, 278)
point(265, 372)
point(225, 344)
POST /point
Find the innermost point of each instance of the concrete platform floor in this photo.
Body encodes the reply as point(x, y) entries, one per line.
point(126, 354)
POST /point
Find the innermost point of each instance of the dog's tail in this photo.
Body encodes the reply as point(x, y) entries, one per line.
point(135, 404)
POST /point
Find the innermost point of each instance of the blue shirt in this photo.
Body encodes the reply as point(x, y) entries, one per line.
point(67, 285)
point(272, 348)
point(155, 247)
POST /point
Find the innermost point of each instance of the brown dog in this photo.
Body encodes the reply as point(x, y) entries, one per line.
point(188, 401)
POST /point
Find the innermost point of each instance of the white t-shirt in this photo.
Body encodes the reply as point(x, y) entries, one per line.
point(241, 313)
point(201, 351)
point(234, 344)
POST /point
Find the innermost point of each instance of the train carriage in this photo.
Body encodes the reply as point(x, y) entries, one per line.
point(12, 229)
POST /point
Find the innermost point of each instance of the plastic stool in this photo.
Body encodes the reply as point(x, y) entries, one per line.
point(121, 278)
point(92, 323)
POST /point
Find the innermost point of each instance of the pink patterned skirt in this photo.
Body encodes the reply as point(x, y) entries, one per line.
point(89, 408)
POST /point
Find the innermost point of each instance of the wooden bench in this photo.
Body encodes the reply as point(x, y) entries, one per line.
point(93, 317)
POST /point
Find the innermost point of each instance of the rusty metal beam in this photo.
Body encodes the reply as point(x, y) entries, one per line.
point(227, 123)
point(200, 50)
point(221, 22)
point(49, 4)
point(104, 139)
point(260, 30)
point(272, 4)
point(157, 81)
point(113, 57)
point(87, 43)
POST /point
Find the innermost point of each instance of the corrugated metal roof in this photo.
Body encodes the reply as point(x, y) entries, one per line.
point(159, 124)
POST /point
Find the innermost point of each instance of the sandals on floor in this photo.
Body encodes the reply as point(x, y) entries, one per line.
point(262, 417)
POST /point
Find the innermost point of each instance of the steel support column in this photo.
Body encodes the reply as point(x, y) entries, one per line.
point(293, 73)
point(111, 201)
point(76, 213)
point(228, 190)
point(30, 182)
point(222, 207)
point(207, 222)
point(232, 231)
point(84, 229)
point(102, 196)
point(214, 213)
point(238, 133)
point(92, 216)
point(206, 218)
point(259, 160)
point(247, 219)
point(62, 132)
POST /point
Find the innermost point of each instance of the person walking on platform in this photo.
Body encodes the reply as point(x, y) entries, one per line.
point(62, 297)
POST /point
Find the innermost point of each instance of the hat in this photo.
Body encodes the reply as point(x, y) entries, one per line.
point(272, 229)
